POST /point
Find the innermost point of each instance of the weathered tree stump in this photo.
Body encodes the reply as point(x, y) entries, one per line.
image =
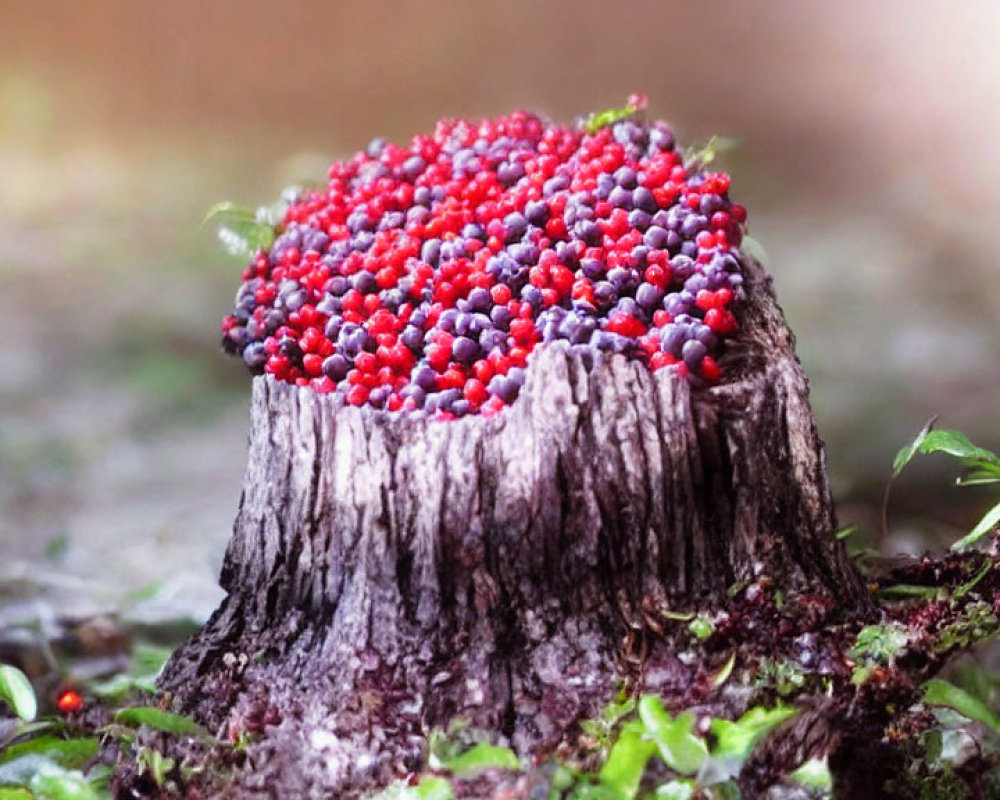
point(389, 573)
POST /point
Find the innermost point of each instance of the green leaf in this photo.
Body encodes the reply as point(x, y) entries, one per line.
point(861, 674)
point(958, 445)
point(730, 790)
point(879, 643)
point(19, 771)
point(723, 674)
point(679, 747)
point(985, 466)
point(602, 119)
point(701, 627)
point(737, 739)
point(16, 689)
point(982, 477)
point(243, 231)
point(989, 521)
point(786, 676)
point(736, 588)
point(622, 772)
point(619, 708)
point(432, 787)
point(14, 793)
point(481, 757)
point(941, 693)
point(905, 455)
point(245, 237)
point(228, 210)
point(160, 720)
point(815, 775)
point(602, 728)
point(675, 790)
point(156, 764)
point(69, 753)
point(845, 532)
point(910, 590)
point(590, 791)
point(57, 784)
point(46, 780)
point(700, 156)
point(965, 588)
point(976, 623)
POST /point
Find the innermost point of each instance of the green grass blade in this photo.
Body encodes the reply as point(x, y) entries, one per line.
point(989, 521)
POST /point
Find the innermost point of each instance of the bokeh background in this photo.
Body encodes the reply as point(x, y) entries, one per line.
point(867, 158)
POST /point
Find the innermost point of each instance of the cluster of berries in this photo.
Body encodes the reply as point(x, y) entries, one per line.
point(423, 277)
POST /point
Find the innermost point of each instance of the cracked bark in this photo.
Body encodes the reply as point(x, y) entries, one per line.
point(388, 574)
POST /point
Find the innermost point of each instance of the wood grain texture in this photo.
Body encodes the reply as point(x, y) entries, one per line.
point(388, 573)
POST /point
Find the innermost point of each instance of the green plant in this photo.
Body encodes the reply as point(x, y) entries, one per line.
point(430, 787)
point(704, 765)
point(976, 623)
point(243, 231)
point(470, 762)
point(602, 730)
point(786, 677)
point(937, 692)
point(876, 646)
point(15, 689)
point(48, 757)
point(39, 759)
point(981, 468)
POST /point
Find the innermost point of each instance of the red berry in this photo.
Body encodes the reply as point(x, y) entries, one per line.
point(313, 364)
point(626, 325)
point(705, 300)
point(69, 702)
point(660, 360)
point(522, 331)
point(492, 406)
point(562, 280)
point(452, 378)
point(353, 300)
point(357, 395)
point(366, 362)
point(720, 320)
point(710, 370)
point(501, 294)
point(438, 357)
point(475, 392)
point(518, 356)
point(483, 370)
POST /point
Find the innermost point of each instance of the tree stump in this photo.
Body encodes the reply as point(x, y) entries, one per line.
point(390, 573)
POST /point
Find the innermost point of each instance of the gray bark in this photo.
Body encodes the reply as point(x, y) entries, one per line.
point(388, 574)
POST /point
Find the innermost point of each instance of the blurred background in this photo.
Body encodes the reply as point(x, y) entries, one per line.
point(867, 158)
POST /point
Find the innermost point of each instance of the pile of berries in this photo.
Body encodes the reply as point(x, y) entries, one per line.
point(424, 276)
